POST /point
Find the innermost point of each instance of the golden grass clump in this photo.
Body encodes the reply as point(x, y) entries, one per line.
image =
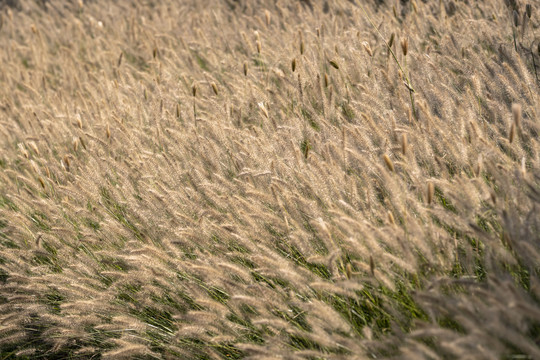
point(304, 179)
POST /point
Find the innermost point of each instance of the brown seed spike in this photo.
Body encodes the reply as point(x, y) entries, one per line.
point(405, 46)
point(493, 197)
point(214, 87)
point(391, 41)
point(245, 69)
point(334, 64)
point(194, 89)
point(306, 148)
point(82, 142)
point(388, 162)
point(66, 162)
point(516, 18)
point(108, 131)
point(404, 144)
point(258, 46)
point(430, 192)
point(326, 80)
point(371, 265)
point(41, 181)
point(512, 133)
point(293, 65)
point(528, 10)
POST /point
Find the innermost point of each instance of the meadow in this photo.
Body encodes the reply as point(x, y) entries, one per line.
point(269, 179)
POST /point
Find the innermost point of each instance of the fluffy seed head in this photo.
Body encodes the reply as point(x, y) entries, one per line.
point(263, 109)
point(41, 181)
point(79, 121)
point(267, 17)
point(32, 145)
point(366, 46)
point(391, 218)
point(516, 113)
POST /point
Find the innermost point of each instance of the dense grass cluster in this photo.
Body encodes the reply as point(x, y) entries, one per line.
point(269, 179)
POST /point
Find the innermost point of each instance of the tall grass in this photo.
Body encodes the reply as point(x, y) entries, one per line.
point(250, 179)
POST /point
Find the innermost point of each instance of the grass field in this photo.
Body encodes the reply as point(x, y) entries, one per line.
point(269, 179)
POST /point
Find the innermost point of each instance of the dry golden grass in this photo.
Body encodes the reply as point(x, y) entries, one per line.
point(252, 179)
